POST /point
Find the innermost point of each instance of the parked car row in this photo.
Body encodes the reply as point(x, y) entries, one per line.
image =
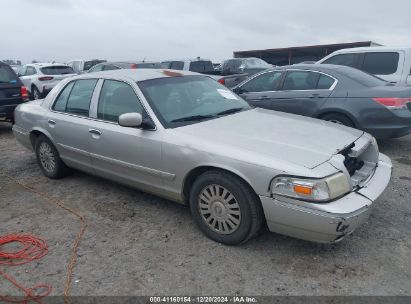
point(196, 142)
point(237, 163)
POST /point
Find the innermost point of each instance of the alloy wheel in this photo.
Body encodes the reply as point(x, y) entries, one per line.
point(47, 158)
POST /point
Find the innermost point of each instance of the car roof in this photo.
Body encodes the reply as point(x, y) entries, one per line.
point(137, 74)
point(309, 66)
point(44, 64)
point(128, 62)
point(188, 59)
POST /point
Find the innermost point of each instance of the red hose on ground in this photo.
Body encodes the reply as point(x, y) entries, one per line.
point(31, 248)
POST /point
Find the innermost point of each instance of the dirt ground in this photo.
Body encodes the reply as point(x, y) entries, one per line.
point(139, 244)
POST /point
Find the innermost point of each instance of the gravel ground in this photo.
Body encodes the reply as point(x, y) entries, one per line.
point(139, 244)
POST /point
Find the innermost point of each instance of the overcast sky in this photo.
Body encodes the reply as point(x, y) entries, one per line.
point(164, 29)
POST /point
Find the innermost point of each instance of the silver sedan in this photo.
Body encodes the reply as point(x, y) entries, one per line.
point(185, 137)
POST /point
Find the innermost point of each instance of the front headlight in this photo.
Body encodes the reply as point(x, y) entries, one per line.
point(316, 190)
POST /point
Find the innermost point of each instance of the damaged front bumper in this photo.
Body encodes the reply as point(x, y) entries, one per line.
point(329, 222)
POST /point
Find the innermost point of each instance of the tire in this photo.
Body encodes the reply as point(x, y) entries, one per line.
point(49, 160)
point(340, 119)
point(36, 93)
point(210, 195)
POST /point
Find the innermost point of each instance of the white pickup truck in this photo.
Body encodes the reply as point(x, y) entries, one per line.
point(390, 64)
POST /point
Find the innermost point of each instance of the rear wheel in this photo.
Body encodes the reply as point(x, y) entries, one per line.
point(49, 160)
point(225, 208)
point(339, 119)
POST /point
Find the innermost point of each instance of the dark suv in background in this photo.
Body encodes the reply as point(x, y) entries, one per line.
point(12, 92)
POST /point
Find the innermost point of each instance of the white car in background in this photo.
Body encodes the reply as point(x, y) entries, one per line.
point(40, 78)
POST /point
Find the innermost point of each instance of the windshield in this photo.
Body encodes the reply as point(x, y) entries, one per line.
point(189, 99)
point(57, 70)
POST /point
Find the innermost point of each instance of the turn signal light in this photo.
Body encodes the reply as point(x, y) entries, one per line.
point(305, 190)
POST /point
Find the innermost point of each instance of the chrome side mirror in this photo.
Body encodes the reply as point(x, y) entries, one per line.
point(131, 120)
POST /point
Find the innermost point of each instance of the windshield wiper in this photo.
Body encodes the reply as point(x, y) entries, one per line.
point(192, 118)
point(230, 111)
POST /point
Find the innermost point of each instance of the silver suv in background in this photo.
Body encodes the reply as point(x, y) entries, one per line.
point(81, 66)
point(390, 64)
point(40, 78)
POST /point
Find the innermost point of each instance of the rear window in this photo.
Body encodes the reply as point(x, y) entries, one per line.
point(361, 77)
point(57, 70)
point(201, 66)
point(89, 64)
point(384, 63)
point(7, 75)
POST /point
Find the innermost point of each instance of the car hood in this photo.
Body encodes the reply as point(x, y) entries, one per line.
point(292, 138)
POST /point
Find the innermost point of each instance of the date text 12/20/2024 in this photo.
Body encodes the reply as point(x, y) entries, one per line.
point(203, 299)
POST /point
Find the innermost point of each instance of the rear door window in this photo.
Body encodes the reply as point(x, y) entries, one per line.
point(300, 80)
point(61, 101)
point(325, 82)
point(350, 59)
point(57, 70)
point(7, 75)
point(80, 97)
point(381, 63)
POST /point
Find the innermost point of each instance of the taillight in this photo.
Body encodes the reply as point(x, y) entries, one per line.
point(133, 66)
point(222, 81)
point(45, 78)
point(394, 103)
point(24, 93)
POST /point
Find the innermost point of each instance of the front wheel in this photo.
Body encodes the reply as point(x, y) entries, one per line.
point(49, 160)
point(225, 208)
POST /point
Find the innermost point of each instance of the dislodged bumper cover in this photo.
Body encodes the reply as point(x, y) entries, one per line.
point(330, 222)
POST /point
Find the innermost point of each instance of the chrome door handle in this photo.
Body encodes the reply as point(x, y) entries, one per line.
point(94, 131)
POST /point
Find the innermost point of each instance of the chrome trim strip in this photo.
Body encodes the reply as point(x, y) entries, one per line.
point(286, 70)
point(167, 176)
point(145, 170)
point(74, 149)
